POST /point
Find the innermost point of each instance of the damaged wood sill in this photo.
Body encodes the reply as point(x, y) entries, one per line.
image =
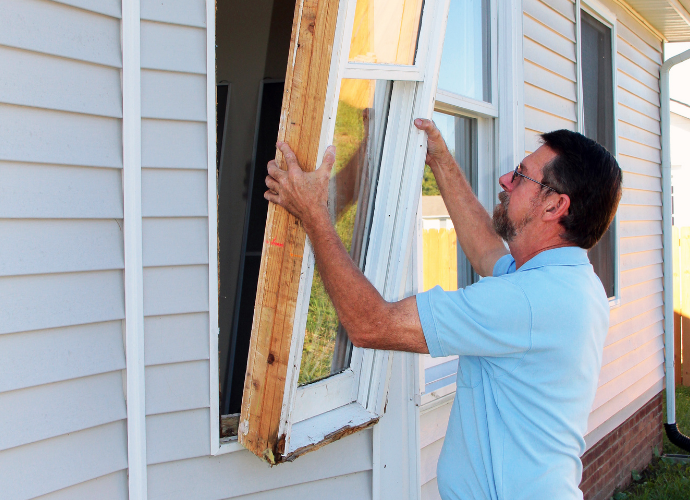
point(228, 427)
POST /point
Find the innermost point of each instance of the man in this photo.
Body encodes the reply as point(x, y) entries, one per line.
point(530, 335)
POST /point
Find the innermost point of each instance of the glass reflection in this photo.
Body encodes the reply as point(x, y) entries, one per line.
point(359, 132)
point(466, 59)
point(385, 31)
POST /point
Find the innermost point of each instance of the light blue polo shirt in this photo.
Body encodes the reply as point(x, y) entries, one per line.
point(530, 344)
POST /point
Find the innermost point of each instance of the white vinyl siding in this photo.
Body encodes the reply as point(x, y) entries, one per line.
point(175, 231)
point(62, 405)
point(433, 425)
point(550, 68)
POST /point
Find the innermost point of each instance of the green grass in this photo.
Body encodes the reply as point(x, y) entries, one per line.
point(664, 478)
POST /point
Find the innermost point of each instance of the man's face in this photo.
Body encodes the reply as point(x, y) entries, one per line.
point(521, 199)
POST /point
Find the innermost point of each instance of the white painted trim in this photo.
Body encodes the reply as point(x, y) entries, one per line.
point(212, 198)
point(456, 103)
point(382, 72)
point(134, 272)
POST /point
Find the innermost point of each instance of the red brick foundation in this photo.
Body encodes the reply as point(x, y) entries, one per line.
point(608, 464)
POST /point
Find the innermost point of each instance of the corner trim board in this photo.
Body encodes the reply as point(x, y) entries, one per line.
point(134, 273)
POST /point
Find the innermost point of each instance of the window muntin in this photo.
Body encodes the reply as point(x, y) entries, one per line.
point(385, 31)
point(466, 59)
point(599, 124)
point(359, 132)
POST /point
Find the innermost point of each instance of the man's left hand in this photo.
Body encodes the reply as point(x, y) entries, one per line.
point(303, 194)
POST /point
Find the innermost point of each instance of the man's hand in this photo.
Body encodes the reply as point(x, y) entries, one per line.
point(437, 153)
point(303, 194)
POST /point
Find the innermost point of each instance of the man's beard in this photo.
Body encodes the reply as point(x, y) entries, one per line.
point(505, 227)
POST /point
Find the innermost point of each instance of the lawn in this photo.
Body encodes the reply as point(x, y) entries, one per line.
point(665, 478)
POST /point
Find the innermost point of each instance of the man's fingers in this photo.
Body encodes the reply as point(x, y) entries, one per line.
point(275, 171)
point(328, 161)
point(288, 154)
point(272, 184)
point(427, 126)
point(272, 197)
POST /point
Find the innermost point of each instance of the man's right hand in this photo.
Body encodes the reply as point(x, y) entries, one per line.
point(437, 153)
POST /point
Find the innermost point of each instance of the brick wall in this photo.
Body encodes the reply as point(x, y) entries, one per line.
point(608, 464)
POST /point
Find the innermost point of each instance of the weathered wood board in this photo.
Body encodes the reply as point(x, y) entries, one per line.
point(311, 45)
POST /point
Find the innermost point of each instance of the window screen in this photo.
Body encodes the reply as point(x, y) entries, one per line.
point(597, 96)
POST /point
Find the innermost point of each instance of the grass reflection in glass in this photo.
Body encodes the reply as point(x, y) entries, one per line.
point(349, 139)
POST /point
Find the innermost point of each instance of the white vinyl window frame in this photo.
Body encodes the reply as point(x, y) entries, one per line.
point(608, 18)
point(500, 140)
point(357, 395)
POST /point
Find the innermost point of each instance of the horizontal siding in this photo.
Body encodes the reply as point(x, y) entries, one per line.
point(225, 476)
point(50, 410)
point(57, 29)
point(177, 387)
point(356, 485)
point(45, 81)
point(55, 300)
point(37, 246)
point(182, 12)
point(62, 404)
point(45, 356)
point(633, 357)
point(550, 92)
point(178, 435)
point(176, 338)
point(59, 191)
point(48, 136)
point(173, 144)
point(433, 425)
point(53, 464)
point(109, 487)
point(175, 236)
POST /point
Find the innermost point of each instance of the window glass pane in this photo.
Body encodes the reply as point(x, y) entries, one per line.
point(466, 59)
point(444, 261)
point(359, 132)
point(597, 100)
point(385, 31)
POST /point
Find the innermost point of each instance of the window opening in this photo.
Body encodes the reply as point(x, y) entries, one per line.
point(466, 58)
point(252, 50)
point(359, 132)
point(386, 31)
point(597, 97)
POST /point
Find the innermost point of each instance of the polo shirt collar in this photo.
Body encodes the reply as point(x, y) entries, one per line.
point(563, 256)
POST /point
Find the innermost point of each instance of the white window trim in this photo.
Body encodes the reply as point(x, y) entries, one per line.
point(603, 14)
point(369, 372)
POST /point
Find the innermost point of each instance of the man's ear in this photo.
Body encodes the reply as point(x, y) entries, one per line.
point(557, 208)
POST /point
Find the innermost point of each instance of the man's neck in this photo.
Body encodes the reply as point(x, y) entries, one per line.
point(525, 247)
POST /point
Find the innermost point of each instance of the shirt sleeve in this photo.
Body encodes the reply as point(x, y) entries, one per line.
point(490, 318)
point(504, 265)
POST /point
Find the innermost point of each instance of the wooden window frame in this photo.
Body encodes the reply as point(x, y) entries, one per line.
point(607, 17)
point(319, 419)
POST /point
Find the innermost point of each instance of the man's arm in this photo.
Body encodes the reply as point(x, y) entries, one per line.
point(473, 225)
point(369, 320)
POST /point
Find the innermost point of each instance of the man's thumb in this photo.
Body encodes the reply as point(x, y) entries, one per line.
point(328, 160)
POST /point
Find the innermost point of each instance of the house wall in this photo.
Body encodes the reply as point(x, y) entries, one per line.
point(633, 370)
point(62, 403)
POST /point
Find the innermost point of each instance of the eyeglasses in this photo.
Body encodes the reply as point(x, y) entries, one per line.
point(516, 173)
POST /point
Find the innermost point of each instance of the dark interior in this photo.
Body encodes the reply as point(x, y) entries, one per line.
point(253, 41)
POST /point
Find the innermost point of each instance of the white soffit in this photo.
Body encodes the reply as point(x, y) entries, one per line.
point(671, 18)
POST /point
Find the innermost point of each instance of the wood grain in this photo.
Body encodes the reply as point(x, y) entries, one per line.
point(311, 45)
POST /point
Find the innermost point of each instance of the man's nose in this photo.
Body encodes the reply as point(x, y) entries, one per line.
point(506, 182)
